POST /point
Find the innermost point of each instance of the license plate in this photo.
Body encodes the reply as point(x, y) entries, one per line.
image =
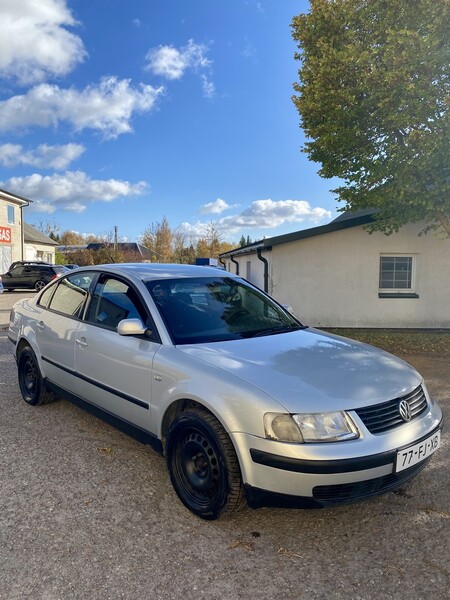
point(408, 457)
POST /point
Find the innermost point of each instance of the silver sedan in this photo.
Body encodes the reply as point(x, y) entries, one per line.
point(244, 401)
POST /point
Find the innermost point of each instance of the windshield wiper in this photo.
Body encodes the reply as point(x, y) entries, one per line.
point(274, 330)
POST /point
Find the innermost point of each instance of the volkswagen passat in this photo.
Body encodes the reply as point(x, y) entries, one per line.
point(243, 400)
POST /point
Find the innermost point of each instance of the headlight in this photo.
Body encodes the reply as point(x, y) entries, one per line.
point(310, 428)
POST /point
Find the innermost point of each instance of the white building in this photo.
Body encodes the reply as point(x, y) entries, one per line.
point(338, 275)
point(11, 229)
point(38, 246)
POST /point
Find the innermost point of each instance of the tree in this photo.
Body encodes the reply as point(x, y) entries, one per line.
point(48, 228)
point(158, 238)
point(373, 97)
point(209, 245)
point(71, 238)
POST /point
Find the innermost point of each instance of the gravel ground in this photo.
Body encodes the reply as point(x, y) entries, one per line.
point(87, 512)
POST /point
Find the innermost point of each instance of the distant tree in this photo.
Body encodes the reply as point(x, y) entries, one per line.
point(158, 238)
point(190, 254)
point(182, 251)
point(373, 97)
point(226, 246)
point(249, 240)
point(202, 249)
point(49, 228)
point(213, 239)
point(71, 238)
point(242, 242)
point(81, 257)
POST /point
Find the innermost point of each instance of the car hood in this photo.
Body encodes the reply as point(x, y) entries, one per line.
point(312, 371)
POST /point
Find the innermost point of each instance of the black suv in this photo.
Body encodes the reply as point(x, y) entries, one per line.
point(30, 275)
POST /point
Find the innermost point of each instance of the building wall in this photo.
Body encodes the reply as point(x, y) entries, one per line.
point(11, 235)
point(250, 267)
point(333, 279)
point(39, 252)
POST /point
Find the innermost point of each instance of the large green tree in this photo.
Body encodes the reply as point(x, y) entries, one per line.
point(373, 96)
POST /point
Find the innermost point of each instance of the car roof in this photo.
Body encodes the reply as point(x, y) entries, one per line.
point(152, 271)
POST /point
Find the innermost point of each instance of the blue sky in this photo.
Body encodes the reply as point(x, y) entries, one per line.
point(118, 112)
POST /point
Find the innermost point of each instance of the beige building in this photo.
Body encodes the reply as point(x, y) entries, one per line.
point(11, 229)
point(38, 246)
point(338, 275)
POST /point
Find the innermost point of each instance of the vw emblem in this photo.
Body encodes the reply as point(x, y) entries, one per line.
point(405, 410)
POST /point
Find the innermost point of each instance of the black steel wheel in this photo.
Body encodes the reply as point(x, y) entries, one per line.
point(203, 466)
point(39, 285)
point(30, 379)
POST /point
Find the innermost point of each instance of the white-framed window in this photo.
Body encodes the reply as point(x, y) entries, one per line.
point(10, 214)
point(397, 273)
point(248, 270)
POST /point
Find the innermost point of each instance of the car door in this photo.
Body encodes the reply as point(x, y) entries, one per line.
point(57, 325)
point(15, 278)
point(115, 371)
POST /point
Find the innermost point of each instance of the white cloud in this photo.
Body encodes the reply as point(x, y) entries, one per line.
point(214, 207)
point(172, 63)
point(71, 191)
point(34, 44)
point(263, 214)
point(266, 214)
point(208, 87)
point(44, 156)
point(106, 107)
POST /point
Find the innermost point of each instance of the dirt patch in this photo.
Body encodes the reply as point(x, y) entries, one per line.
point(401, 342)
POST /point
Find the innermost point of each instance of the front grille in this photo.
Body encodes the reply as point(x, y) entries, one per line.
point(359, 490)
point(382, 417)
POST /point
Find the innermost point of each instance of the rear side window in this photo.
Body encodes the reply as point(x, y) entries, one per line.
point(112, 301)
point(45, 297)
point(70, 295)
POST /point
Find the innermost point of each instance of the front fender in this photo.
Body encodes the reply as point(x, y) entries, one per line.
point(237, 404)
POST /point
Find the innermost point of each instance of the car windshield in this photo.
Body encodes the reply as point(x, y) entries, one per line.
point(214, 309)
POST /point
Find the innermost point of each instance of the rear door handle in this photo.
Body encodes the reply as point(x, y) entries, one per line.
point(81, 342)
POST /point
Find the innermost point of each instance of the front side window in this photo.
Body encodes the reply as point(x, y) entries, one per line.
point(211, 309)
point(396, 273)
point(11, 215)
point(70, 295)
point(112, 301)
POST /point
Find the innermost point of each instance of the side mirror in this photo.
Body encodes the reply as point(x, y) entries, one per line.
point(132, 327)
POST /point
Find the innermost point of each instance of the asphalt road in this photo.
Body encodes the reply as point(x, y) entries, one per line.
point(87, 512)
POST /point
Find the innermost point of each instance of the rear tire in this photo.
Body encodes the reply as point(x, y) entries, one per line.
point(203, 465)
point(39, 285)
point(32, 386)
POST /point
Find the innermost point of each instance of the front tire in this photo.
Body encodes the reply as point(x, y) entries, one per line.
point(31, 384)
point(203, 465)
point(39, 285)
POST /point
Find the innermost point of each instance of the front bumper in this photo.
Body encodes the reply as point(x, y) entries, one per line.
point(286, 479)
point(333, 495)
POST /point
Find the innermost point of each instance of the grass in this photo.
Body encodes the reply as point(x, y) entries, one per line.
point(400, 341)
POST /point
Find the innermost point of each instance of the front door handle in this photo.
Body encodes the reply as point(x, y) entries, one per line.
point(81, 342)
point(40, 325)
